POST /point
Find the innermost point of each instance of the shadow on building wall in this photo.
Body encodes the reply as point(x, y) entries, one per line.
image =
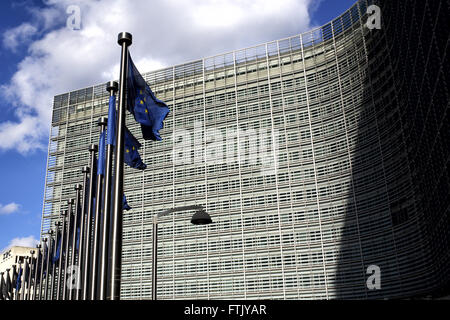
point(398, 214)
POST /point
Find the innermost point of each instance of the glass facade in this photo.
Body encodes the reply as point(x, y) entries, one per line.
point(311, 154)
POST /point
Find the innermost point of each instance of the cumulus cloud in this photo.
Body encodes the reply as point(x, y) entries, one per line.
point(29, 241)
point(9, 208)
point(18, 35)
point(165, 32)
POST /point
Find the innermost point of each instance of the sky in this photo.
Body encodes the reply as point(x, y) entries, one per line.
point(49, 47)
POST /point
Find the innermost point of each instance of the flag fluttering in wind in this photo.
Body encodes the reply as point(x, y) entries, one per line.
point(148, 110)
point(131, 155)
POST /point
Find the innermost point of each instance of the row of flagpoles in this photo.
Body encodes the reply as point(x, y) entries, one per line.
point(80, 256)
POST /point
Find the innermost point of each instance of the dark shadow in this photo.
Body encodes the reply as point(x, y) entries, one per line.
point(398, 207)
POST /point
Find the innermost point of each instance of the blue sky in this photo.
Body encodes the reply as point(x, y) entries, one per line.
point(42, 57)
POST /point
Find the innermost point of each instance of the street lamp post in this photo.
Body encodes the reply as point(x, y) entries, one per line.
point(200, 217)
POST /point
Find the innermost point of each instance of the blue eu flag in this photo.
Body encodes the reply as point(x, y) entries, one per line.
point(45, 250)
point(125, 205)
point(19, 280)
point(101, 154)
point(111, 127)
point(58, 249)
point(148, 110)
point(131, 154)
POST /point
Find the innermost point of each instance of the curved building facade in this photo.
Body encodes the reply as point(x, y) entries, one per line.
point(317, 156)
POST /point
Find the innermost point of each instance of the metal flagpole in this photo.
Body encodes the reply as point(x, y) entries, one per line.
point(1, 286)
point(112, 88)
point(87, 247)
point(154, 256)
point(30, 275)
point(24, 280)
point(74, 235)
point(17, 295)
point(85, 171)
point(31, 267)
point(38, 261)
point(12, 296)
point(57, 237)
point(41, 276)
point(66, 258)
point(47, 267)
point(97, 219)
point(124, 40)
point(60, 262)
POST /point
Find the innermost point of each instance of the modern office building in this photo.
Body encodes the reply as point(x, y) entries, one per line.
point(317, 156)
point(13, 256)
point(12, 259)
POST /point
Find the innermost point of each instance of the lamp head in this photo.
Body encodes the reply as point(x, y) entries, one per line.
point(201, 217)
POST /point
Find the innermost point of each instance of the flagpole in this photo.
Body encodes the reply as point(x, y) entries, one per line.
point(2, 280)
point(38, 261)
point(111, 87)
point(23, 282)
point(87, 246)
point(17, 295)
point(13, 293)
point(1, 286)
point(74, 233)
point(41, 276)
point(30, 276)
point(30, 270)
point(70, 203)
point(31, 266)
point(124, 40)
point(52, 285)
point(97, 219)
point(60, 263)
point(85, 172)
point(11, 287)
point(47, 267)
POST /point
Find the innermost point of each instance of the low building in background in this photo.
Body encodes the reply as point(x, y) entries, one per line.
point(14, 256)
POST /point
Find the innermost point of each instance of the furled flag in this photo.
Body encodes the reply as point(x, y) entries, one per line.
point(148, 110)
point(44, 264)
point(111, 126)
point(19, 280)
point(131, 155)
point(58, 249)
point(26, 272)
point(125, 204)
point(77, 241)
point(3, 292)
point(101, 154)
point(8, 285)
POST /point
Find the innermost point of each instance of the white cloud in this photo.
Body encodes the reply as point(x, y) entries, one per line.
point(21, 34)
point(165, 32)
point(9, 208)
point(29, 241)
